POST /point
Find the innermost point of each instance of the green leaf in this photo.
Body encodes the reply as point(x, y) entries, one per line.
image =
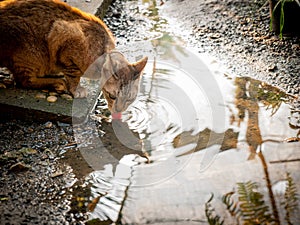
point(212, 219)
point(290, 202)
point(253, 209)
point(281, 18)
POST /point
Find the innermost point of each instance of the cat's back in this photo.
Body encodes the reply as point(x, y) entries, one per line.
point(31, 20)
point(42, 11)
point(25, 22)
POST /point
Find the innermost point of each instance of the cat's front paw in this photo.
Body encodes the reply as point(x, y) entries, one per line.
point(60, 86)
point(80, 92)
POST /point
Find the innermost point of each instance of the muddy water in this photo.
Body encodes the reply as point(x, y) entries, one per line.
point(193, 132)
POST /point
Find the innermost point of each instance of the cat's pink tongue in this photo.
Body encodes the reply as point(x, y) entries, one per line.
point(117, 116)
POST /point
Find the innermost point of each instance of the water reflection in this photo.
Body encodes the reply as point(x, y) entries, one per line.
point(173, 121)
point(108, 190)
point(257, 118)
point(206, 138)
point(150, 10)
point(202, 131)
point(249, 93)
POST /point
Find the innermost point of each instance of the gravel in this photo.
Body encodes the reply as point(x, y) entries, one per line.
point(31, 190)
point(238, 34)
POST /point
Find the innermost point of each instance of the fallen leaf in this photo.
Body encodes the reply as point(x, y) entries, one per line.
point(19, 167)
point(4, 199)
point(57, 174)
point(92, 205)
point(27, 151)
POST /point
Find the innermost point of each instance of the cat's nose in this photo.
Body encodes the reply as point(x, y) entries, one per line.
point(119, 106)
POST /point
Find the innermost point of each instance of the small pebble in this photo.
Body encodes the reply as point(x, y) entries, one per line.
point(214, 36)
point(48, 124)
point(52, 99)
point(57, 174)
point(53, 93)
point(30, 130)
point(67, 97)
point(2, 85)
point(272, 68)
point(295, 47)
point(40, 96)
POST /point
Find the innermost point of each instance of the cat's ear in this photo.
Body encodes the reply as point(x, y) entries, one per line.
point(139, 66)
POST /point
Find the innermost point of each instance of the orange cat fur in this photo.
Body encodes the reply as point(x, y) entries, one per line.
point(48, 37)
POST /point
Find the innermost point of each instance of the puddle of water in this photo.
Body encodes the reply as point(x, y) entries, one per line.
point(202, 132)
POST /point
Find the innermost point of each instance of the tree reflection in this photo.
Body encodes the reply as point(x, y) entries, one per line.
point(205, 139)
point(247, 97)
point(249, 94)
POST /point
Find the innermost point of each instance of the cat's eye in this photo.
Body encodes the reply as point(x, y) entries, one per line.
point(136, 75)
point(111, 96)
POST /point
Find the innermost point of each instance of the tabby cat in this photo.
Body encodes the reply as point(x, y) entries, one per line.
point(41, 39)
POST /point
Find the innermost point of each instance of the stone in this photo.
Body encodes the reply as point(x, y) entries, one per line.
point(53, 93)
point(272, 68)
point(2, 85)
point(52, 99)
point(40, 96)
point(48, 124)
point(67, 97)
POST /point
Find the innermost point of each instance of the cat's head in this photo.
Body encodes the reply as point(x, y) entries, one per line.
point(122, 80)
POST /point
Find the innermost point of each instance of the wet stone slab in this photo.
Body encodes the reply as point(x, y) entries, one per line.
point(23, 104)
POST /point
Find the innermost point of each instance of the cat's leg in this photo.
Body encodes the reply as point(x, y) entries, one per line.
point(74, 87)
point(72, 72)
point(57, 84)
point(27, 79)
point(74, 57)
point(72, 76)
point(29, 66)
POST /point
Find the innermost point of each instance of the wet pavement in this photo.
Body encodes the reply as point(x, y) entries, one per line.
point(198, 131)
